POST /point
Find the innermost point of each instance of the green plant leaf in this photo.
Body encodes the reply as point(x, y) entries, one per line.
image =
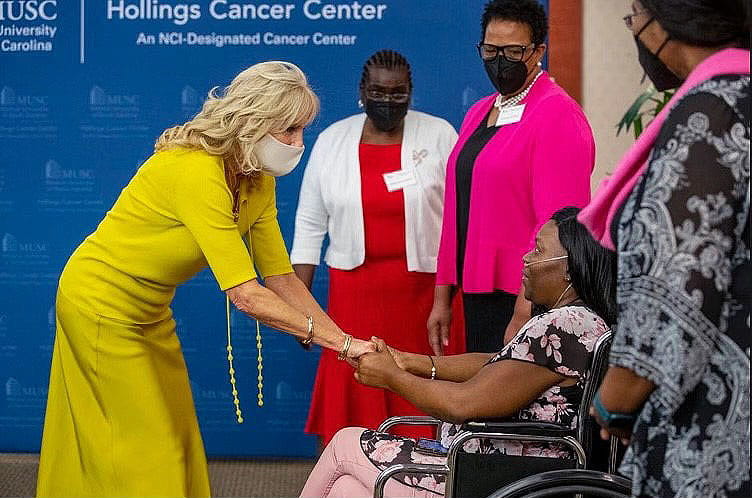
point(635, 111)
point(638, 126)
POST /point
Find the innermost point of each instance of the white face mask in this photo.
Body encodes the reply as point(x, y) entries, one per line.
point(276, 158)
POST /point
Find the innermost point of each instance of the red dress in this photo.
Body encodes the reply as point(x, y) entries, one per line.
point(378, 298)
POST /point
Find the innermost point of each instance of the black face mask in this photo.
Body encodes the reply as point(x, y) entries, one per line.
point(505, 75)
point(655, 69)
point(385, 115)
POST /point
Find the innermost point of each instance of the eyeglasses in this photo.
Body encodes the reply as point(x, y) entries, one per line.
point(382, 96)
point(629, 18)
point(513, 53)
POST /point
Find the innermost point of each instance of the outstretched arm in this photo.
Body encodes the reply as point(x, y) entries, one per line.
point(284, 304)
point(478, 397)
point(455, 368)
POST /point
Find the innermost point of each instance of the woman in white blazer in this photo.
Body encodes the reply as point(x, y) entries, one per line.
point(374, 184)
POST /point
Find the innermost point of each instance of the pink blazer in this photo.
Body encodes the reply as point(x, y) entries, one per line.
point(525, 173)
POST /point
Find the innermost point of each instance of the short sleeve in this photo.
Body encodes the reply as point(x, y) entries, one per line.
point(203, 204)
point(560, 340)
point(267, 245)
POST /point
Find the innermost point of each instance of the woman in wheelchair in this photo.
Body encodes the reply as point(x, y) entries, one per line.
point(537, 376)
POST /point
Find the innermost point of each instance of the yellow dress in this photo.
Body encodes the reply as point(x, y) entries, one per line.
point(120, 418)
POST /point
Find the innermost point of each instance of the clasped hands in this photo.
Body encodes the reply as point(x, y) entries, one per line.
point(377, 368)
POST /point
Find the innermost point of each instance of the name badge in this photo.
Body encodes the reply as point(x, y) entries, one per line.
point(400, 179)
point(510, 115)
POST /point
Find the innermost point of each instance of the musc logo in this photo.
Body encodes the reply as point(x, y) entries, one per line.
point(98, 97)
point(53, 171)
point(12, 387)
point(189, 96)
point(28, 10)
point(11, 244)
point(285, 392)
point(8, 97)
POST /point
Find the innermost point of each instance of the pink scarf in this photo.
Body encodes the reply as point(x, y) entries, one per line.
point(613, 191)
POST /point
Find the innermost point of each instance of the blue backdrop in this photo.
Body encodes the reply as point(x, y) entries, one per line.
point(86, 87)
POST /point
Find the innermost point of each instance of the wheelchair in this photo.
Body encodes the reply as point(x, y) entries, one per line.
point(473, 475)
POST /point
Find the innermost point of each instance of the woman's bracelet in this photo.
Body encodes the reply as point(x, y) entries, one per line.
point(343, 354)
point(612, 420)
point(309, 339)
point(433, 368)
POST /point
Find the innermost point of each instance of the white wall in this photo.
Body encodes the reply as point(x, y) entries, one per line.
point(610, 78)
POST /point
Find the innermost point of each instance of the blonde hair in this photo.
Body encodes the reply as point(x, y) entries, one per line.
point(268, 97)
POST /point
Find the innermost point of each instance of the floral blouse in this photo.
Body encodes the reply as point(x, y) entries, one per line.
point(561, 340)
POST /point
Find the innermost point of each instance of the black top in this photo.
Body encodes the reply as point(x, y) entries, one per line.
point(464, 180)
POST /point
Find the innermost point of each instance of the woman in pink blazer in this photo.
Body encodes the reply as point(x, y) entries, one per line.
point(522, 153)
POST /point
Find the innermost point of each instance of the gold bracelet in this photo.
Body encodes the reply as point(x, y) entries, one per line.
point(309, 338)
point(433, 368)
point(343, 354)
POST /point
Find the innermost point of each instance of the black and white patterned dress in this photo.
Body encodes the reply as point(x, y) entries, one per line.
point(561, 340)
point(684, 279)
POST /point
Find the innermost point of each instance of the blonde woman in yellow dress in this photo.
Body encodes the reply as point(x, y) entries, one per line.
point(120, 418)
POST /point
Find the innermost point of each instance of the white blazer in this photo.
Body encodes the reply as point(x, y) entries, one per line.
point(330, 201)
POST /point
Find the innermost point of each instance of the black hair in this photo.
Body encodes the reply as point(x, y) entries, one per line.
point(592, 267)
point(705, 23)
point(529, 12)
point(388, 59)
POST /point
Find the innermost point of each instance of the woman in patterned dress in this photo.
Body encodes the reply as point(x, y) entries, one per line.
point(569, 274)
point(676, 212)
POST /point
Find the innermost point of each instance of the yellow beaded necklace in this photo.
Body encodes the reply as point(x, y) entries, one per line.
point(230, 357)
point(259, 366)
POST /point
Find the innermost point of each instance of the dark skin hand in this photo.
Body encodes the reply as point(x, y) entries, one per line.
point(622, 391)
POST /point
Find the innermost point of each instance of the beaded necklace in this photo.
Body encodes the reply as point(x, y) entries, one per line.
point(230, 356)
point(259, 366)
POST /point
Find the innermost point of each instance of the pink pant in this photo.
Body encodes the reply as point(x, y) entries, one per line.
point(344, 471)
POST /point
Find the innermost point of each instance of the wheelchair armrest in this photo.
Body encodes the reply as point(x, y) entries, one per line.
point(514, 431)
point(401, 468)
point(408, 420)
point(527, 428)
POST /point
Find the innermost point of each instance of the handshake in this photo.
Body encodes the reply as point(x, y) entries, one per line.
point(376, 364)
